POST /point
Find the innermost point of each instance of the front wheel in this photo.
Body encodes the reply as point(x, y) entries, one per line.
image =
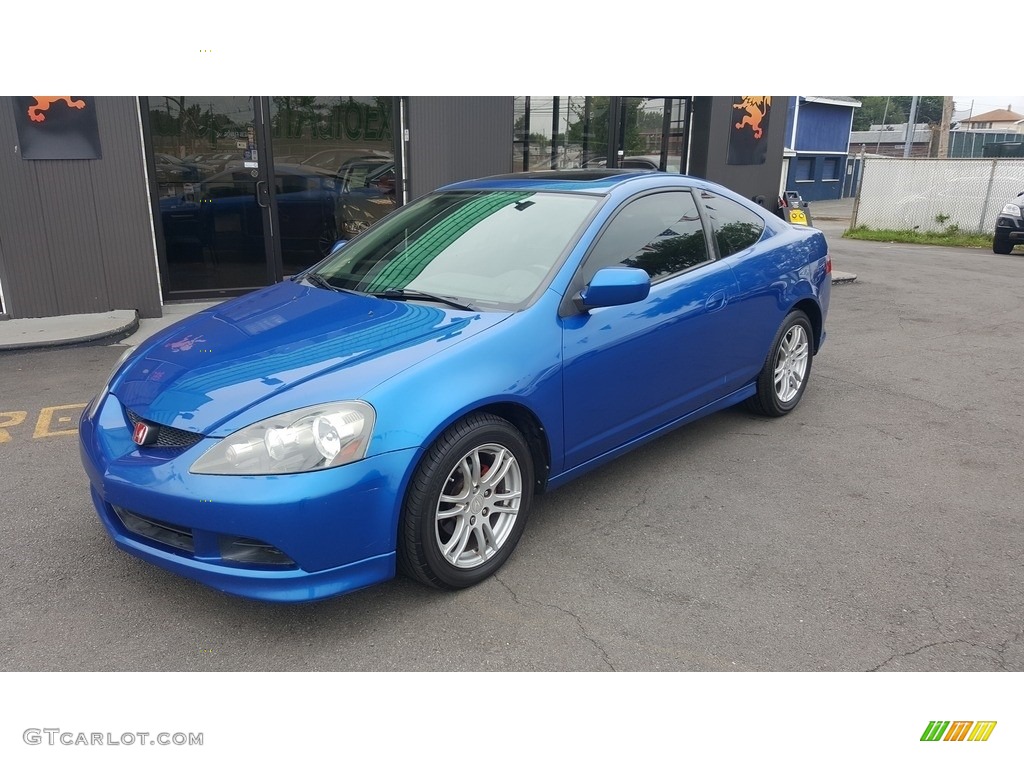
point(467, 504)
point(783, 379)
point(1001, 246)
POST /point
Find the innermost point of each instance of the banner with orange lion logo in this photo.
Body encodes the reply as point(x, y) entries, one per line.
point(57, 127)
point(748, 138)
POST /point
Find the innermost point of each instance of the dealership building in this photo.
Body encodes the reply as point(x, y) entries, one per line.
point(133, 202)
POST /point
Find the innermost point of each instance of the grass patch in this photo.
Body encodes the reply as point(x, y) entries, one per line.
point(950, 236)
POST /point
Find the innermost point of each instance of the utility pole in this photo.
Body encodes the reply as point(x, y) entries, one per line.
point(947, 118)
point(911, 125)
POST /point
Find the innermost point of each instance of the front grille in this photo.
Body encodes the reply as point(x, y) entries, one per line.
point(166, 437)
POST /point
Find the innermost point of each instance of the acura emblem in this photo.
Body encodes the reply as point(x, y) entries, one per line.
point(143, 435)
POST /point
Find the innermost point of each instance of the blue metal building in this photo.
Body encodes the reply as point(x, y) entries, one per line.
point(817, 164)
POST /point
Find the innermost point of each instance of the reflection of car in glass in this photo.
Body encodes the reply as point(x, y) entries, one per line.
point(399, 404)
point(647, 162)
point(201, 165)
point(1009, 227)
point(353, 172)
point(337, 158)
point(221, 218)
point(637, 162)
point(224, 161)
point(367, 194)
point(170, 169)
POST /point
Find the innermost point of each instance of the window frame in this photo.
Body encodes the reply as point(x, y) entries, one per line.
point(835, 162)
point(576, 284)
point(710, 225)
point(812, 167)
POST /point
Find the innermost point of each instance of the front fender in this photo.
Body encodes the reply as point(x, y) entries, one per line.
point(517, 362)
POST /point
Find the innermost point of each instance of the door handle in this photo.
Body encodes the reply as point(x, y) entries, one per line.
point(715, 301)
point(262, 193)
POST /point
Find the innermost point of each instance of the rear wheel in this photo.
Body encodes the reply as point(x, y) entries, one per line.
point(467, 504)
point(1001, 245)
point(783, 378)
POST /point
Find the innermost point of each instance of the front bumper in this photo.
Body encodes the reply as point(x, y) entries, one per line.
point(1010, 228)
point(323, 533)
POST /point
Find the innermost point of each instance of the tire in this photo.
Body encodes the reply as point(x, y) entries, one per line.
point(328, 237)
point(783, 379)
point(1001, 246)
point(467, 504)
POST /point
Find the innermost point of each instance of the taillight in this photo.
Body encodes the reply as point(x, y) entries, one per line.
point(828, 263)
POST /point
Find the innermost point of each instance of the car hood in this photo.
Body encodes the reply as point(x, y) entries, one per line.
point(318, 344)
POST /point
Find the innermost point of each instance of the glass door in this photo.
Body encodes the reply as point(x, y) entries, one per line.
point(251, 190)
point(213, 193)
point(334, 171)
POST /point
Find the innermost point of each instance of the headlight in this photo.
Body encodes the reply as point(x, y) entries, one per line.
point(1011, 210)
point(95, 403)
point(353, 228)
point(305, 440)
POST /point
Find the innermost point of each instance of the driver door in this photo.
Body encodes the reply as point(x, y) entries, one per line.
point(633, 368)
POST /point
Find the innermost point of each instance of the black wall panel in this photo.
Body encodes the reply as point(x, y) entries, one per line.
point(457, 138)
point(712, 125)
point(76, 235)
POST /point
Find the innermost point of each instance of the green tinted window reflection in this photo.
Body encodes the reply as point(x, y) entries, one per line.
point(494, 247)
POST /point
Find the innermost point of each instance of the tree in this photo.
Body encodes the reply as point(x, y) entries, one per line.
point(895, 110)
point(636, 121)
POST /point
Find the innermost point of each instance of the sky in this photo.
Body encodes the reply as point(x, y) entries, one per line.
point(983, 104)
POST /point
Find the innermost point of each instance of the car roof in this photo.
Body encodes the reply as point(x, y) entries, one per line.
point(597, 180)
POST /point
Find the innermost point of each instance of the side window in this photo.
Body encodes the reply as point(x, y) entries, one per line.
point(286, 184)
point(735, 226)
point(661, 234)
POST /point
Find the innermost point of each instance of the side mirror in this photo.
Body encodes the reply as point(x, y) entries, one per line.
point(338, 245)
point(613, 287)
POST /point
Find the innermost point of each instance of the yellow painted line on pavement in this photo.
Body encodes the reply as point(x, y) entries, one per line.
point(53, 421)
point(44, 424)
point(10, 419)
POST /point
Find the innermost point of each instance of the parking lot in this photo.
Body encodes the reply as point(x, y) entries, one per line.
point(879, 527)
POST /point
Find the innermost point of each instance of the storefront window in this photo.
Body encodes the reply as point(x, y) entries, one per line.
point(558, 132)
point(647, 131)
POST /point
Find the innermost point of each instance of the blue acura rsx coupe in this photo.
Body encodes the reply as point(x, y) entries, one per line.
point(398, 405)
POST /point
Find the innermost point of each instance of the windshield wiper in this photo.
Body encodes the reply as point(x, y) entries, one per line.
point(404, 294)
point(317, 279)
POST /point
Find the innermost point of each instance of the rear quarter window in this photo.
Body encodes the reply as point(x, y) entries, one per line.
point(735, 226)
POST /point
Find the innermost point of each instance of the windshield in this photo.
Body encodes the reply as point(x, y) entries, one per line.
point(491, 248)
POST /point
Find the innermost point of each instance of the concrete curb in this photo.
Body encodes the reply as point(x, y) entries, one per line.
point(67, 330)
point(839, 278)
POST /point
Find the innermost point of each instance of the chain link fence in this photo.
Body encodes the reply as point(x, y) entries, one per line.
point(934, 195)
